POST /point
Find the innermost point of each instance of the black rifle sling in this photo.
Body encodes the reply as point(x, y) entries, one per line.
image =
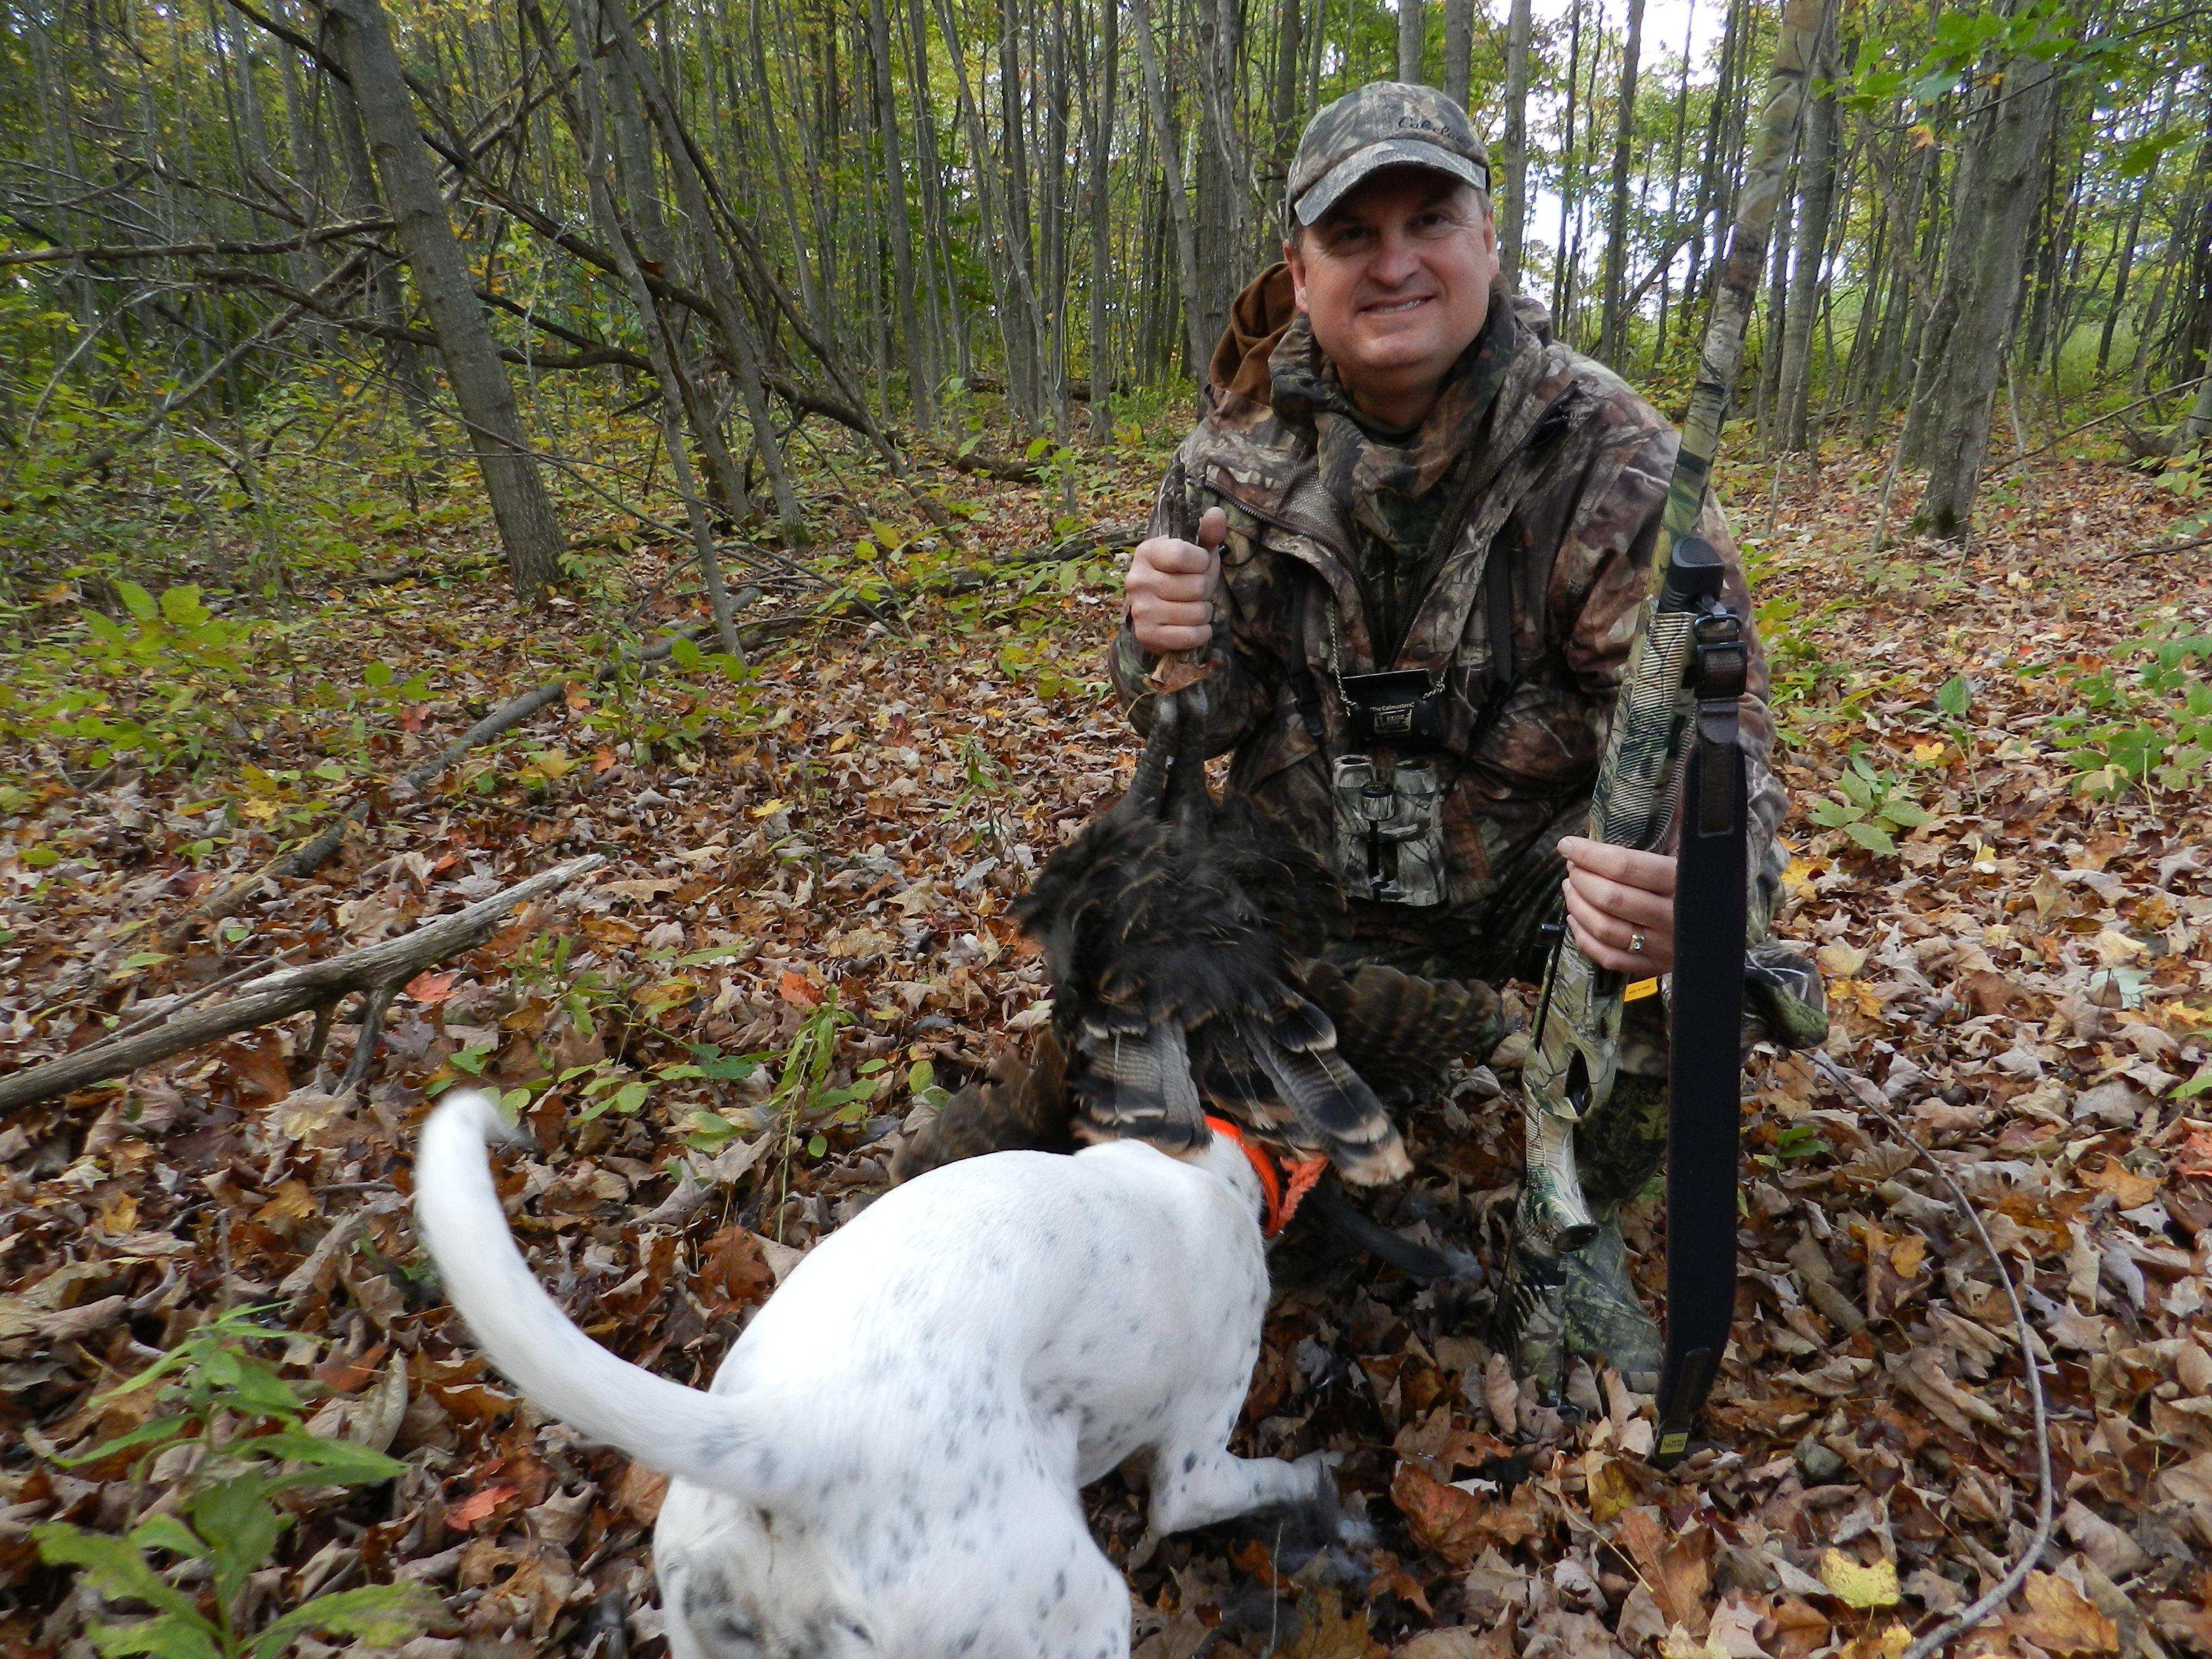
point(1704, 1065)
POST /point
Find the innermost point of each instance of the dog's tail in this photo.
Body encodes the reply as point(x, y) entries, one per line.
point(680, 1432)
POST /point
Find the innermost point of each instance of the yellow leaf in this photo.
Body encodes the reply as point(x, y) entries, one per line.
point(1797, 877)
point(1925, 753)
point(1842, 961)
point(1856, 1586)
point(1610, 1491)
point(293, 1202)
point(769, 809)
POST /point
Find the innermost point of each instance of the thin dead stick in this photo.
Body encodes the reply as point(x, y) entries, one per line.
point(172, 1006)
point(305, 859)
point(119, 251)
point(2109, 415)
point(280, 995)
point(1863, 1091)
point(2163, 547)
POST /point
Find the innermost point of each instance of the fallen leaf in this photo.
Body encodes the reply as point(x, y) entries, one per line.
point(640, 1490)
point(1857, 1586)
point(1441, 1518)
point(430, 989)
point(734, 1270)
point(2129, 1190)
point(479, 1505)
point(2060, 1619)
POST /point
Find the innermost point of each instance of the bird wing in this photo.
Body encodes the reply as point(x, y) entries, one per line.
point(1401, 1032)
point(1334, 1111)
point(1139, 1083)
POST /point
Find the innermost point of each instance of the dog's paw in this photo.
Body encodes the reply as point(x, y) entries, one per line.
point(1320, 1516)
point(1319, 1469)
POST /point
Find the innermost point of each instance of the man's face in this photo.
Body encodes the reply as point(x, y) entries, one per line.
point(1396, 279)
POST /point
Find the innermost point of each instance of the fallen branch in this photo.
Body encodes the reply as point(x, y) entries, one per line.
point(2163, 547)
point(991, 466)
point(2076, 432)
point(373, 969)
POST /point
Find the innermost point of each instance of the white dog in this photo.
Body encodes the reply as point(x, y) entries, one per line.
point(889, 1460)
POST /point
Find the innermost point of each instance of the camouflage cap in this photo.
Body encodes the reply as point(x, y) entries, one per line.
point(1385, 123)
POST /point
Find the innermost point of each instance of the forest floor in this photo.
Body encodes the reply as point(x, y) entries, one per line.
point(806, 905)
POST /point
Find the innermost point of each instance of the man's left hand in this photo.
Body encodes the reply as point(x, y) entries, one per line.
point(1620, 904)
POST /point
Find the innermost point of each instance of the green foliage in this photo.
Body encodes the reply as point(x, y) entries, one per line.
point(1868, 805)
point(255, 1448)
point(158, 685)
point(2150, 730)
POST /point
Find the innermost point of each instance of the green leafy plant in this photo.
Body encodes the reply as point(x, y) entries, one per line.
point(255, 1448)
point(158, 686)
point(2150, 730)
point(1868, 805)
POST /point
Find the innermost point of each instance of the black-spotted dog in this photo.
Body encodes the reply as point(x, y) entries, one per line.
point(889, 1461)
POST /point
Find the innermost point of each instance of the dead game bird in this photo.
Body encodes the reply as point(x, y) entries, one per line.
point(1176, 992)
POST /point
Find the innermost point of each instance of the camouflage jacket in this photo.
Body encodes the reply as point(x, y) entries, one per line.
point(1566, 485)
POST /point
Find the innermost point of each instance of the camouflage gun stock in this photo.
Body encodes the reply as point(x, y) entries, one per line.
point(1576, 1043)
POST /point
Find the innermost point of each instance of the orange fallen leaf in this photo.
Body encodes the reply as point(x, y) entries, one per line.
point(430, 989)
point(479, 1505)
point(640, 1490)
point(798, 990)
point(2129, 1189)
point(1441, 1518)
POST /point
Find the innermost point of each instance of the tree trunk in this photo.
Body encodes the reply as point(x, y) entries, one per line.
point(1936, 362)
point(1612, 342)
point(1514, 208)
point(1459, 48)
point(1102, 83)
point(1982, 339)
point(600, 172)
point(1562, 258)
point(1283, 97)
point(730, 320)
point(1222, 196)
point(2197, 428)
point(920, 377)
point(1178, 205)
point(1413, 37)
point(529, 528)
point(1816, 175)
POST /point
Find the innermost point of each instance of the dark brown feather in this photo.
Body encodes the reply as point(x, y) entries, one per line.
point(1018, 1106)
point(1401, 1032)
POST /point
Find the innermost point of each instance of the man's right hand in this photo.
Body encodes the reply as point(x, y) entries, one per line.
point(1168, 595)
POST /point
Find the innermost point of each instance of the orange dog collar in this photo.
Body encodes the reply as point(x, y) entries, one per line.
point(1283, 1184)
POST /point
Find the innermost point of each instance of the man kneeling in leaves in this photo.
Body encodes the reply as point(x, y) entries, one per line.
point(1411, 537)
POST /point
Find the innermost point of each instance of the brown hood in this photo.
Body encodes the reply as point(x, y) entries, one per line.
point(1263, 312)
point(1257, 319)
